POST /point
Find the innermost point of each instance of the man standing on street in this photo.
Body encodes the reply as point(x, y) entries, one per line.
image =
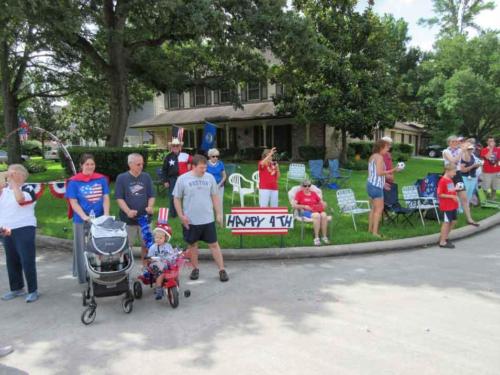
point(134, 194)
point(195, 198)
point(176, 163)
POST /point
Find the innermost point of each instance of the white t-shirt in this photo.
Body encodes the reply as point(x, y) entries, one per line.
point(14, 215)
point(453, 153)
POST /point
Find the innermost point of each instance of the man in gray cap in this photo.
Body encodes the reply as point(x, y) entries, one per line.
point(389, 178)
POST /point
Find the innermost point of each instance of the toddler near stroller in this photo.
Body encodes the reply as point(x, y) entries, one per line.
point(163, 266)
point(108, 260)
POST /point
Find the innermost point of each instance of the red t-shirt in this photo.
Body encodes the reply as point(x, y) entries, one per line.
point(388, 166)
point(313, 200)
point(268, 176)
point(446, 186)
point(488, 166)
point(184, 160)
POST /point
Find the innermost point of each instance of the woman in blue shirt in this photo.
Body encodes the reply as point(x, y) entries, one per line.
point(88, 195)
point(216, 168)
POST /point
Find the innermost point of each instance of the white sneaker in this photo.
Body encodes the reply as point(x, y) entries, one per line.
point(325, 240)
point(5, 350)
point(317, 242)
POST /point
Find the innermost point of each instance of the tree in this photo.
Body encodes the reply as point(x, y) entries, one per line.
point(27, 68)
point(347, 74)
point(461, 94)
point(456, 16)
point(122, 39)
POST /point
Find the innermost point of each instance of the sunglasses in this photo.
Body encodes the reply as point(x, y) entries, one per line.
point(306, 185)
point(214, 156)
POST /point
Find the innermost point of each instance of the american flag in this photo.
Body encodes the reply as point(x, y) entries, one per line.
point(163, 215)
point(92, 193)
point(177, 132)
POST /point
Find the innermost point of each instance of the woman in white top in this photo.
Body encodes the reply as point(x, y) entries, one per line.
point(453, 154)
point(376, 182)
point(17, 232)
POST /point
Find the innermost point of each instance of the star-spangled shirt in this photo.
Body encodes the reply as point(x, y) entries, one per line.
point(90, 196)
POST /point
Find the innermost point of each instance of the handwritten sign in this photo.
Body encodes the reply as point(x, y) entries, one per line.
point(257, 220)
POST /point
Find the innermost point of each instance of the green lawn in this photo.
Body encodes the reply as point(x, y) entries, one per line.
point(52, 219)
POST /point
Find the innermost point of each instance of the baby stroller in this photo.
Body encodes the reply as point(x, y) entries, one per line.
point(109, 260)
point(171, 284)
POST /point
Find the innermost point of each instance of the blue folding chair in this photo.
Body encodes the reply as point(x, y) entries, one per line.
point(339, 176)
point(317, 176)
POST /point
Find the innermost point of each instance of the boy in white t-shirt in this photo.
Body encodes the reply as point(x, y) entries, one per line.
point(161, 255)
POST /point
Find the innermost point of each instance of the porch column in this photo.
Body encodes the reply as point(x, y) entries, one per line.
point(272, 137)
point(264, 128)
point(195, 137)
point(227, 135)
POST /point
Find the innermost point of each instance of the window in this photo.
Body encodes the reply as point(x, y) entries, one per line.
point(393, 136)
point(254, 91)
point(200, 96)
point(173, 100)
point(280, 89)
point(224, 96)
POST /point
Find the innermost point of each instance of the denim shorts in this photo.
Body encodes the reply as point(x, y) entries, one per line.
point(374, 192)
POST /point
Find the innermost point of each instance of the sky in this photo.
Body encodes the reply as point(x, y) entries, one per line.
point(412, 10)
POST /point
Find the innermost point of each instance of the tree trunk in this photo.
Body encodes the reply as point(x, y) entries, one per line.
point(343, 153)
point(10, 107)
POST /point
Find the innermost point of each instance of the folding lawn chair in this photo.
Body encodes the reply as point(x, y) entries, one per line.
point(296, 172)
point(348, 205)
point(339, 176)
point(317, 175)
point(393, 209)
point(422, 204)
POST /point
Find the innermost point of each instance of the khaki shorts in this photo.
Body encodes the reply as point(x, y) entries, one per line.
point(134, 233)
point(490, 181)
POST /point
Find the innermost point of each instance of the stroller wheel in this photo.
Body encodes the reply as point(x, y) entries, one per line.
point(88, 316)
point(128, 305)
point(173, 296)
point(187, 293)
point(137, 290)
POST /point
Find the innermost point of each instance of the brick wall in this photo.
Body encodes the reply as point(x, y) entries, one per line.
point(316, 134)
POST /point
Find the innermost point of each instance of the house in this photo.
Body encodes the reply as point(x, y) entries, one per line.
point(411, 133)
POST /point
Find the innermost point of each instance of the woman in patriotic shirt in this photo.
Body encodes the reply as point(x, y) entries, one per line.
point(88, 194)
point(17, 232)
point(269, 173)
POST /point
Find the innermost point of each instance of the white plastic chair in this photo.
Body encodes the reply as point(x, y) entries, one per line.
point(296, 172)
point(422, 204)
point(297, 214)
point(348, 205)
point(237, 181)
point(256, 179)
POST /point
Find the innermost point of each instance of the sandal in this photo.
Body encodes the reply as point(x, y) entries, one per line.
point(195, 274)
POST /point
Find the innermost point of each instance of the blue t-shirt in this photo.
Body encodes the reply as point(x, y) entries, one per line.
point(216, 170)
point(90, 196)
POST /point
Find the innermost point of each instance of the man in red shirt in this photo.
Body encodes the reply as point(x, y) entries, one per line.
point(389, 178)
point(448, 204)
point(490, 178)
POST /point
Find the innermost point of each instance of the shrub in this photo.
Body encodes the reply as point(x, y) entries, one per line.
point(400, 156)
point(311, 152)
point(403, 148)
point(357, 165)
point(35, 166)
point(109, 161)
point(251, 153)
point(31, 148)
point(362, 148)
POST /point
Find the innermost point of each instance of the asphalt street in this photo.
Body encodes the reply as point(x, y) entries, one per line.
point(428, 311)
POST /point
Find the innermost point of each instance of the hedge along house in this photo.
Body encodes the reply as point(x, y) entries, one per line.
point(256, 125)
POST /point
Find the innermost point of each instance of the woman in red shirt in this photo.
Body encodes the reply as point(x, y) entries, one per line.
point(313, 207)
point(269, 173)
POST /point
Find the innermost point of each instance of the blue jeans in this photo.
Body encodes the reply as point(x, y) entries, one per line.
point(20, 252)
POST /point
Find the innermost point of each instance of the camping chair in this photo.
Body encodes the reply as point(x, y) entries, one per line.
point(296, 172)
point(297, 213)
point(340, 176)
point(485, 202)
point(159, 181)
point(393, 209)
point(316, 169)
point(422, 204)
point(237, 180)
point(348, 205)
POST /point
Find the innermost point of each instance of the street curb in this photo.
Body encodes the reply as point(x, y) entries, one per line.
point(317, 252)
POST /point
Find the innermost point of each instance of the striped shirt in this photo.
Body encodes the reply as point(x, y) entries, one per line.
point(373, 177)
point(453, 153)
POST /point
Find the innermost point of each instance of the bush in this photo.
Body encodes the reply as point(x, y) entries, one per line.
point(35, 166)
point(109, 161)
point(311, 152)
point(403, 148)
point(31, 148)
point(400, 156)
point(357, 165)
point(364, 149)
point(251, 153)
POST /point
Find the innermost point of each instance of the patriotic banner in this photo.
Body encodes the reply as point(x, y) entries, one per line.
point(209, 136)
point(177, 132)
point(38, 189)
point(259, 220)
point(163, 215)
point(57, 189)
point(23, 129)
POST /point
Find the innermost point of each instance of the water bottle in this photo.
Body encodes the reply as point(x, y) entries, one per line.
point(92, 215)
